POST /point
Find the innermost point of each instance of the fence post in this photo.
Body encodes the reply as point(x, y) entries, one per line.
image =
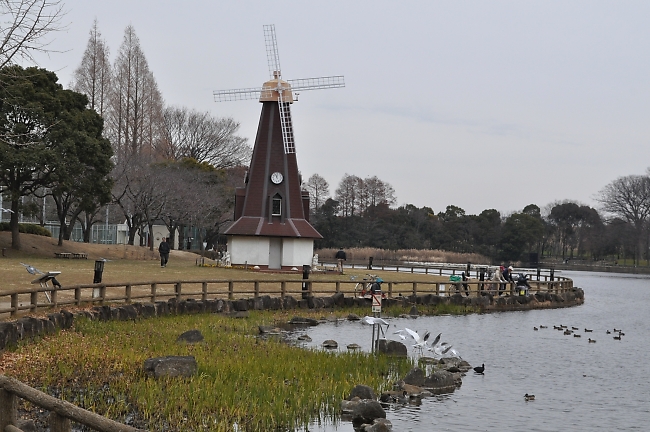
point(415, 289)
point(257, 289)
point(437, 289)
point(390, 289)
point(153, 292)
point(204, 291)
point(77, 296)
point(283, 289)
point(14, 306)
point(8, 414)
point(33, 301)
point(231, 290)
point(102, 294)
point(127, 293)
point(53, 296)
point(338, 287)
point(177, 289)
point(59, 423)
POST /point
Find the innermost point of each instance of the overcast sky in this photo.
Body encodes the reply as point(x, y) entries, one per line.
point(480, 104)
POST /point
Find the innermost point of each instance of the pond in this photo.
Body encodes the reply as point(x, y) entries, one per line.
point(578, 385)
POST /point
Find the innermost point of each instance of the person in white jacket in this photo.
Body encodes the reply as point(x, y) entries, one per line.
point(498, 277)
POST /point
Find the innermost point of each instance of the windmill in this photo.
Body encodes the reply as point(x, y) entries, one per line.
point(271, 222)
point(279, 90)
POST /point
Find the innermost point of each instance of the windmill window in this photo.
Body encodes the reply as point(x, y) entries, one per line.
point(276, 209)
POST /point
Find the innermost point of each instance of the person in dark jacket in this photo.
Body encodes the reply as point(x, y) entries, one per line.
point(340, 257)
point(163, 250)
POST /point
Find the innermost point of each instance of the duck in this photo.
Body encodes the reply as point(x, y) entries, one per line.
point(588, 330)
point(616, 330)
point(617, 337)
point(543, 326)
point(620, 333)
point(480, 369)
point(528, 397)
point(574, 328)
point(592, 340)
point(567, 332)
point(535, 328)
point(576, 335)
point(608, 332)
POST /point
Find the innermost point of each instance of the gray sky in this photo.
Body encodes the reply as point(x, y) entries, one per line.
point(480, 104)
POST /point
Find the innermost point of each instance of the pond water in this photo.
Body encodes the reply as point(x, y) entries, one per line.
point(578, 385)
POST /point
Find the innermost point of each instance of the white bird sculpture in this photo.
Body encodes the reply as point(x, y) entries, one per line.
point(420, 341)
point(372, 321)
point(31, 270)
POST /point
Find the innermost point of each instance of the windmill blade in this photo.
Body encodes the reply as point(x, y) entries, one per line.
point(272, 56)
point(238, 94)
point(336, 81)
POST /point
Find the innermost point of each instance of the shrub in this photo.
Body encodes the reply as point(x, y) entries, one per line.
point(27, 229)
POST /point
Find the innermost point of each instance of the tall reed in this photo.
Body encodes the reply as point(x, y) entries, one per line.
point(406, 255)
point(254, 383)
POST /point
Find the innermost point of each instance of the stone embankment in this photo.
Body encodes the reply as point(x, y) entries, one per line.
point(11, 332)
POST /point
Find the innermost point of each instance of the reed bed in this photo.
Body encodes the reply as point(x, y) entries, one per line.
point(243, 380)
point(406, 255)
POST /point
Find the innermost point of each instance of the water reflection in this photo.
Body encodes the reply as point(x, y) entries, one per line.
point(578, 385)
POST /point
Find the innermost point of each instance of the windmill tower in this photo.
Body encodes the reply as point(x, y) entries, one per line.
point(271, 226)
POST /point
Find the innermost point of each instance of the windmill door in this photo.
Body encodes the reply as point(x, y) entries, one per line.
point(275, 253)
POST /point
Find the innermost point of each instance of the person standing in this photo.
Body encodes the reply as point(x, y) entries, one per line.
point(340, 257)
point(163, 250)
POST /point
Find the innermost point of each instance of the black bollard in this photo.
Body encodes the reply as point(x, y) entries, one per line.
point(539, 271)
point(369, 263)
point(305, 285)
point(99, 270)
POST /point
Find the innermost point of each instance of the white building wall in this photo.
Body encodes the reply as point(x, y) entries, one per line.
point(297, 252)
point(254, 250)
point(249, 249)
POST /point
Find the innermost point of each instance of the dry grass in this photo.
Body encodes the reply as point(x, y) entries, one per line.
point(404, 255)
point(143, 266)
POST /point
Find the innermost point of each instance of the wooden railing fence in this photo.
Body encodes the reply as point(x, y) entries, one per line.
point(61, 412)
point(152, 291)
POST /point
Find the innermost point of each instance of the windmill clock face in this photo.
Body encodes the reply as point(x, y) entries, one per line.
point(276, 178)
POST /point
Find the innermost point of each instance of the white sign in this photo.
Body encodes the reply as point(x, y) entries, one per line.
point(376, 303)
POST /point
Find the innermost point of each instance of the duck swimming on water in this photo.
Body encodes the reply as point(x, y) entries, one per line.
point(480, 369)
point(528, 397)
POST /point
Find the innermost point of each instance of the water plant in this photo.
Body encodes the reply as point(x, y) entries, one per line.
point(254, 383)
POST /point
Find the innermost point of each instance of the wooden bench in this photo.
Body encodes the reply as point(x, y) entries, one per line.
point(73, 255)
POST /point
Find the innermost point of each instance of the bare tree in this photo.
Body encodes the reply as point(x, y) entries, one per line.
point(629, 198)
point(135, 108)
point(25, 27)
point(346, 194)
point(319, 191)
point(93, 76)
point(197, 135)
point(130, 183)
point(379, 192)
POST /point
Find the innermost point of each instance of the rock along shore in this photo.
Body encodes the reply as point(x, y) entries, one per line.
point(11, 332)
